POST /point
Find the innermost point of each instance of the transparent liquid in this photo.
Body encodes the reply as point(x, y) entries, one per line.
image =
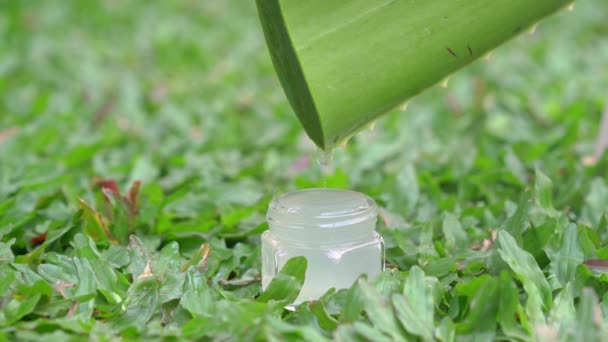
point(333, 229)
point(325, 161)
point(329, 267)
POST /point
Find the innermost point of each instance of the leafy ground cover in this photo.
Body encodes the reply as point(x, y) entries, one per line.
point(140, 143)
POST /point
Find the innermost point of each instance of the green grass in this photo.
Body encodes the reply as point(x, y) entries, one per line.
point(489, 211)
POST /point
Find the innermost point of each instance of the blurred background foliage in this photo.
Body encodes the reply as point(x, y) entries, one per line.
point(182, 96)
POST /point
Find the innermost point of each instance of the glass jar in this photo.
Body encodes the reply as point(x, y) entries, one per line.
point(334, 229)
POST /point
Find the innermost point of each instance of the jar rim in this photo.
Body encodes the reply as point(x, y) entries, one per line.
point(324, 208)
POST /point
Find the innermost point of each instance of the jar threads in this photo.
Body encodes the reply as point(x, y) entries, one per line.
point(334, 229)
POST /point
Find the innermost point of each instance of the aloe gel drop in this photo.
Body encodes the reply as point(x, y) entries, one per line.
point(334, 229)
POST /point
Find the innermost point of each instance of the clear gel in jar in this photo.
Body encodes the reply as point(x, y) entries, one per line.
point(334, 229)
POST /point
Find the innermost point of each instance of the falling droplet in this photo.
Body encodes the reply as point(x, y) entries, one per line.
point(444, 83)
point(533, 29)
point(324, 158)
point(404, 106)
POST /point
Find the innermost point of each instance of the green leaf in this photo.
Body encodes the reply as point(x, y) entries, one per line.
point(326, 321)
point(198, 299)
point(108, 280)
point(388, 282)
point(16, 309)
point(95, 225)
point(117, 256)
point(517, 223)
point(199, 259)
point(289, 332)
point(441, 267)
point(565, 261)
point(543, 190)
point(86, 284)
point(7, 279)
point(525, 267)
point(537, 238)
point(480, 323)
point(344, 30)
point(139, 255)
point(379, 311)
point(347, 333)
point(406, 193)
point(371, 333)
point(596, 197)
point(23, 302)
point(143, 170)
point(6, 254)
point(168, 260)
point(352, 308)
point(286, 285)
point(209, 125)
point(469, 289)
point(141, 302)
point(563, 314)
point(589, 317)
point(415, 308)
point(52, 235)
point(241, 320)
point(446, 331)
point(589, 241)
point(456, 238)
point(508, 307)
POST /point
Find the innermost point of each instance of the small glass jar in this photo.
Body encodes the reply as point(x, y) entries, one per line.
point(334, 229)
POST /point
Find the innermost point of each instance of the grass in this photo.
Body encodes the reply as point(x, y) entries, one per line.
point(140, 143)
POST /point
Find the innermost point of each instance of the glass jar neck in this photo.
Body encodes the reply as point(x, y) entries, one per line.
point(322, 216)
point(313, 235)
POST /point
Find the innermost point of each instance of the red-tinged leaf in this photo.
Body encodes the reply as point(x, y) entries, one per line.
point(133, 198)
point(38, 239)
point(128, 203)
point(109, 190)
point(108, 184)
point(199, 260)
point(596, 264)
point(97, 227)
point(73, 309)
